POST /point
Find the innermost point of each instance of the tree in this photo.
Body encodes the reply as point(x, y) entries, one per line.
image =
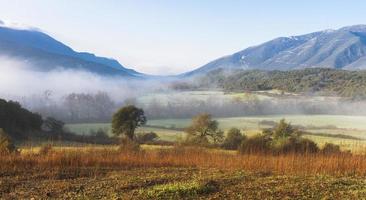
point(284, 130)
point(89, 107)
point(233, 139)
point(126, 120)
point(203, 129)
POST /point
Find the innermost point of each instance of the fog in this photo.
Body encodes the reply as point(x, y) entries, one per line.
point(19, 80)
point(79, 96)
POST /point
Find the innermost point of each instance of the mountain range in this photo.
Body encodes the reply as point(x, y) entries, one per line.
point(45, 53)
point(344, 48)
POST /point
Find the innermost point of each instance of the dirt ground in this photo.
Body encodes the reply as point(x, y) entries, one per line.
point(174, 183)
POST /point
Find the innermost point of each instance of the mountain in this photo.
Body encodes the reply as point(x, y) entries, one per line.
point(46, 53)
point(344, 48)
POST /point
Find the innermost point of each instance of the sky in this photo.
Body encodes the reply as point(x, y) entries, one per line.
point(173, 36)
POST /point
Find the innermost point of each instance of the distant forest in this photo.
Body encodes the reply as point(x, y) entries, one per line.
point(315, 81)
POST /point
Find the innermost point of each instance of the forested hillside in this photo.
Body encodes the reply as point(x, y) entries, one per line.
point(308, 81)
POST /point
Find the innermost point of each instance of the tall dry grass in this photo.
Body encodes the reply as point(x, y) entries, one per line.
point(94, 159)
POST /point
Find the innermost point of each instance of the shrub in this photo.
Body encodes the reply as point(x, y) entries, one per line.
point(6, 145)
point(307, 146)
point(256, 144)
point(233, 139)
point(294, 145)
point(330, 148)
point(265, 144)
point(282, 139)
point(101, 133)
point(146, 137)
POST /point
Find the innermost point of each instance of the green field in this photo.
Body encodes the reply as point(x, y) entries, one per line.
point(168, 129)
point(340, 121)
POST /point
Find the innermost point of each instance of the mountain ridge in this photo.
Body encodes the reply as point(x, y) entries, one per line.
point(344, 48)
point(46, 53)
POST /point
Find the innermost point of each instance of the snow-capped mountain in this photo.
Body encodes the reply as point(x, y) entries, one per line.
point(344, 48)
point(45, 53)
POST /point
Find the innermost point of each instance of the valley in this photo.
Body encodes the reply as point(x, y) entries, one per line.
point(182, 100)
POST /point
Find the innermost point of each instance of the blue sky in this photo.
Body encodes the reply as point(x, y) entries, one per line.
point(171, 36)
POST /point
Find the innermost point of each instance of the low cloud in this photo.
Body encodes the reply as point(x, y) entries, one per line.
point(19, 80)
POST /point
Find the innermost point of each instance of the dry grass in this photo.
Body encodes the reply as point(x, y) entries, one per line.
point(95, 159)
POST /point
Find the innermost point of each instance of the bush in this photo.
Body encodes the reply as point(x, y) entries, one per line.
point(146, 137)
point(307, 146)
point(128, 145)
point(330, 148)
point(233, 139)
point(256, 144)
point(294, 145)
point(282, 139)
point(265, 144)
point(6, 145)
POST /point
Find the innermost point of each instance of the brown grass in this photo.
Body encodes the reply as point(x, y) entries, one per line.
point(95, 159)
